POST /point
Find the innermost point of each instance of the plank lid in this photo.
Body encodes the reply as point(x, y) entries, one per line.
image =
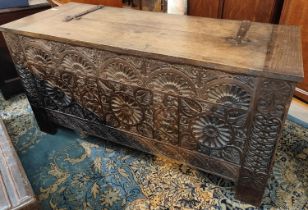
point(234, 46)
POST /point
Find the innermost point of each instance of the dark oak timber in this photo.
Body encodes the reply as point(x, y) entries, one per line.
point(209, 93)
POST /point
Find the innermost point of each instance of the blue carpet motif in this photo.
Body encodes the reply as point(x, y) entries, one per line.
point(74, 171)
point(71, 172)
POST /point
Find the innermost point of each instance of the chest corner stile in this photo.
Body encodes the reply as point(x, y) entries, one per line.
point(222, 119)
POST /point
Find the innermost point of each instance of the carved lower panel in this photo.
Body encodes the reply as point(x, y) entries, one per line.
point(214, 130)
point(151, 146)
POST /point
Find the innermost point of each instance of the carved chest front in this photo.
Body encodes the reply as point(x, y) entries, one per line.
point(212, 94)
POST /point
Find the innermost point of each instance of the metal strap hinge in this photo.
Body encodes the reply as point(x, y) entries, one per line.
point(241, 34)
point(78, 16)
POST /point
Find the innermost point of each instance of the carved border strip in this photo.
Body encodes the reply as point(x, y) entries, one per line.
point(273, 98)
point(173, 79)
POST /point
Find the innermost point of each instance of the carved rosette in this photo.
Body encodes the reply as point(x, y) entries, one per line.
point(171, 81)
point(38, 53)
point(60, 95)
point(218, 128)
point(210, 129)
point(38, 56)
point(126, 109)
point(77, 62)
point(56, 87)
point(120, 70)
point(211, 132)
point(230, 95)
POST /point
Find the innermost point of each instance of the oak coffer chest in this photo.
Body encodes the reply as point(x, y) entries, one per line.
point(213, 94)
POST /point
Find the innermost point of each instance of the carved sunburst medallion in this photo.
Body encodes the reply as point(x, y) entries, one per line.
point(172, 82)
point(59, 95)
point(229, 95)
point(119, 70)
point(38, 56)
point(126, 109)
point(77, 63)
point(211, 132)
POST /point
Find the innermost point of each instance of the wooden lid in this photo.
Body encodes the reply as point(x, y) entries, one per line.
point(233, 46)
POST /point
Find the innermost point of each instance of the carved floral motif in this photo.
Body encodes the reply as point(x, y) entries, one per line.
point(77, 63)
point(184, 80)
point(86, 93)
point(171, 81)
point(229, 95)
point(120, 70)
point(60, 95)
point(126, 109)
point(38, 56)
point(211, 131)
point(166, 118)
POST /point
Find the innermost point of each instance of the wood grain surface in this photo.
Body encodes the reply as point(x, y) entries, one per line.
point(193, 40)
point(205, 8)
point(254, 10)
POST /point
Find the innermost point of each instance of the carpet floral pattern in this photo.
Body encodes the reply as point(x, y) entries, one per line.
point(73, 171)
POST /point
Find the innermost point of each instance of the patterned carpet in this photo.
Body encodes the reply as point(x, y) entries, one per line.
point(70, 171)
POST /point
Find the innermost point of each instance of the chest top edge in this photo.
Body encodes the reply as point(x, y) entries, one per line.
point(262, 50)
